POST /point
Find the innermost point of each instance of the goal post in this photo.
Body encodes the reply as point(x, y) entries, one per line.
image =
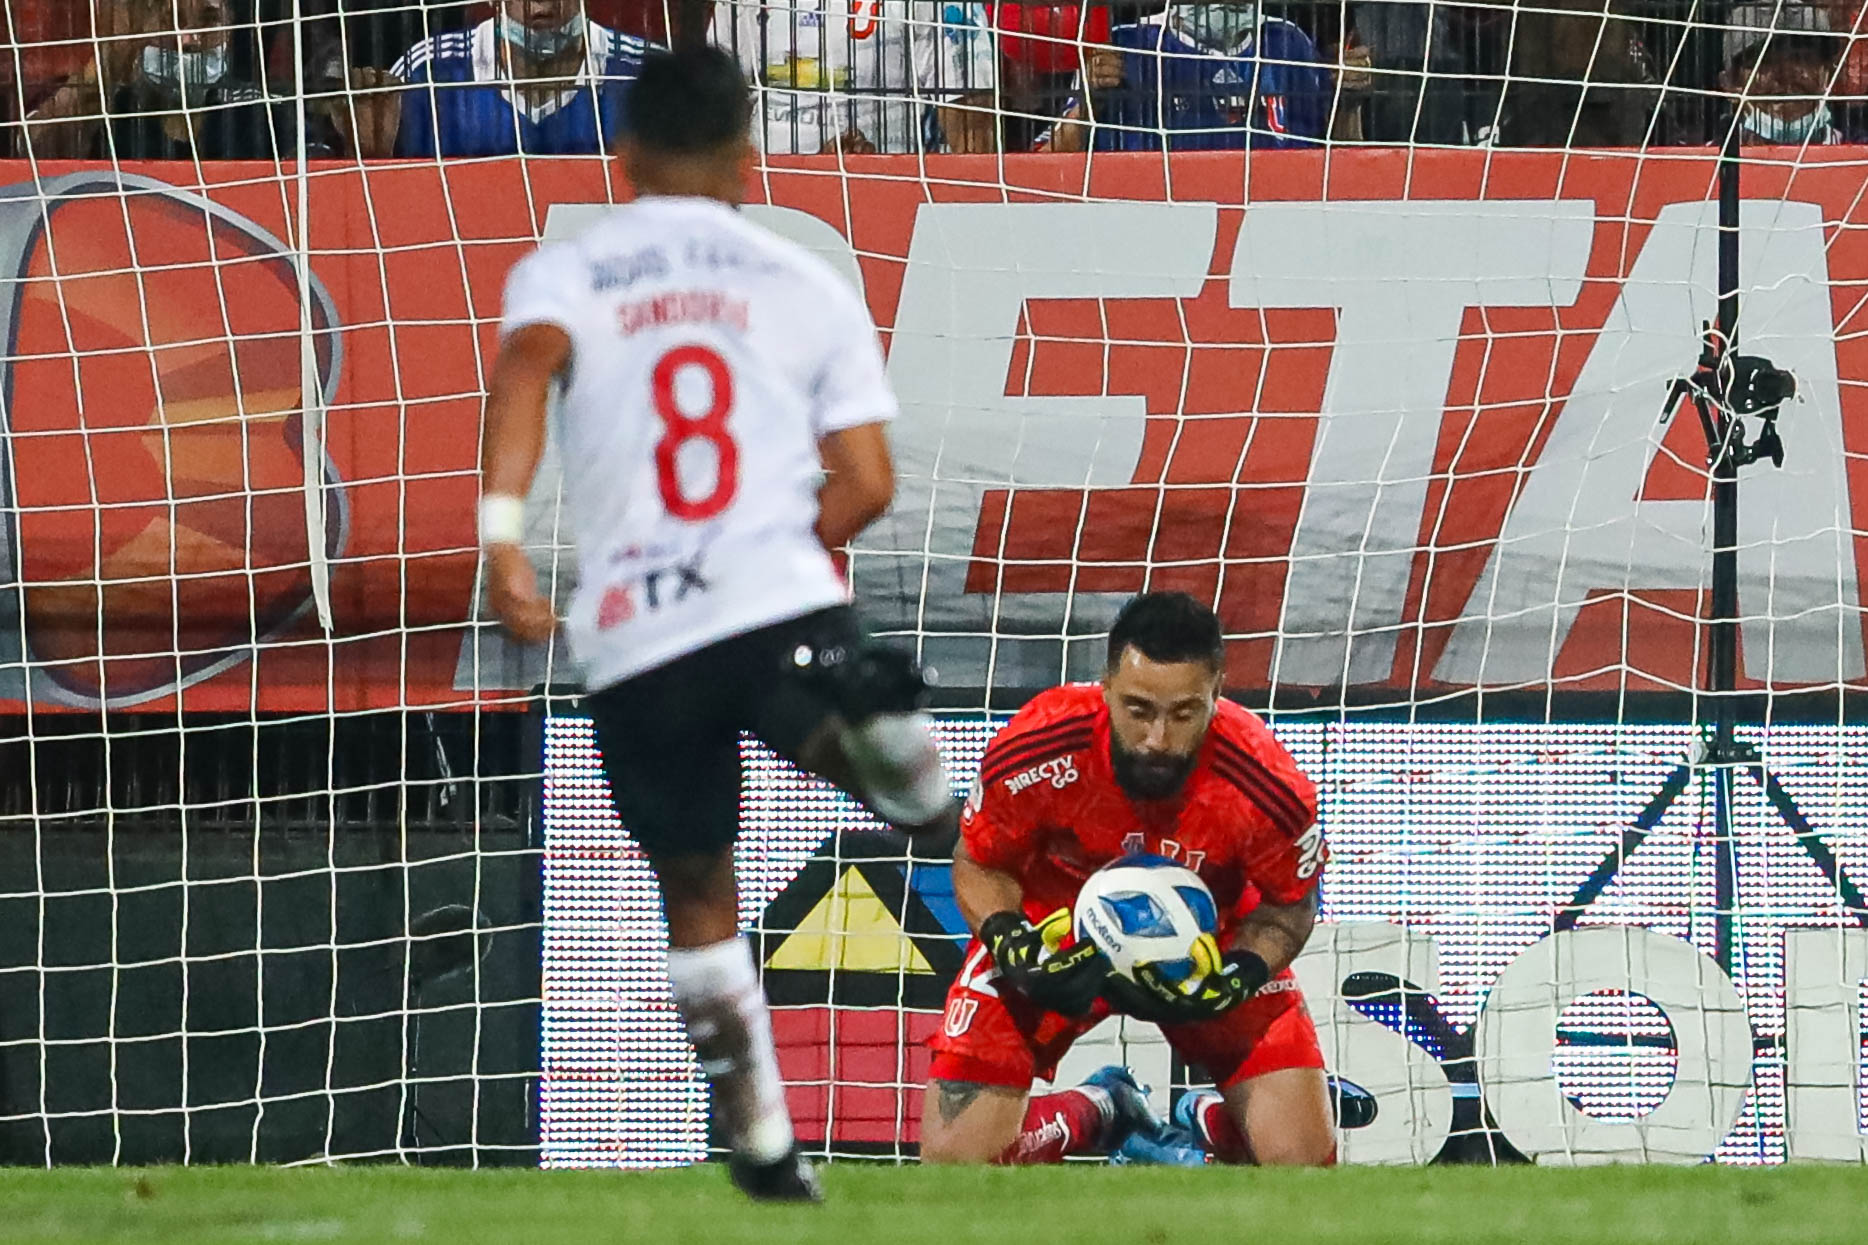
point(1364, 329)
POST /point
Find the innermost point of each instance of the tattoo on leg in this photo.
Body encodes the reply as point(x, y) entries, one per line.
point(953, 1097)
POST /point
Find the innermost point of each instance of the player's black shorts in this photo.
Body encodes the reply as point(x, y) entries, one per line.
point(670, 736)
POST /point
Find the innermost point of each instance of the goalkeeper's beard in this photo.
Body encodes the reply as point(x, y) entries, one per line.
point(1149, 775)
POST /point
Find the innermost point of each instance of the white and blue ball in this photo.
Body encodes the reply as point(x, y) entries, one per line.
point(1150, 910)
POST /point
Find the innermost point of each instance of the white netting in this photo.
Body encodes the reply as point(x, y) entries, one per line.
point(1354, 319)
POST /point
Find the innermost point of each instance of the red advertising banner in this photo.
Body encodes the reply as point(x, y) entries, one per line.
point(1399, 417)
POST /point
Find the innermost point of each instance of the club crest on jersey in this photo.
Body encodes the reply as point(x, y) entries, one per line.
point(1309, 852)
point(1135, 843)
point(1060, 772)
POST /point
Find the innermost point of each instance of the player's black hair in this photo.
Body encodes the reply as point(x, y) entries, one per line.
point(1167, 627)
point(687, 102)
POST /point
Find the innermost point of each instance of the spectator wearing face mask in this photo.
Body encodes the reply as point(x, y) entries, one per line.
point(1198, 77)
point(1781, 64)
point(163, 89)
point(536, 77)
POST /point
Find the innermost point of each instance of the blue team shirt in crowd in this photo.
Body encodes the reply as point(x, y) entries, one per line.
point(1270, 93)
point(472, 110)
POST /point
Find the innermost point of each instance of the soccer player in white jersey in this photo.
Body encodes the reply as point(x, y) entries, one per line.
point(723, 423)
point(866, 75)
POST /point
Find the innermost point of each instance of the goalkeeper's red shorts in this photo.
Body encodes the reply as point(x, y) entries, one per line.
point(990, 1038)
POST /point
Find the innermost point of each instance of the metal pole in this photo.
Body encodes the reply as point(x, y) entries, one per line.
point(1722, 654)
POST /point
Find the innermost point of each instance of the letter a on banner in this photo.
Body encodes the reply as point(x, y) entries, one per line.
point(1581, 524)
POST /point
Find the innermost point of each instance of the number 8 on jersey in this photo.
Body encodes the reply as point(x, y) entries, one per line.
point(681, 430)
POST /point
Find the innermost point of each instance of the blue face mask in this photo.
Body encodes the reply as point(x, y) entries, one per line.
point(1786, 131)
point(541, 44)
point(1217, 27)
point(187, 74)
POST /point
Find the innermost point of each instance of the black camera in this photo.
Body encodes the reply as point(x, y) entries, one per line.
point(1755, 386)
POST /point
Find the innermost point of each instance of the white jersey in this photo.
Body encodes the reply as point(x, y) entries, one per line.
point(822, 68)
point(708, 358)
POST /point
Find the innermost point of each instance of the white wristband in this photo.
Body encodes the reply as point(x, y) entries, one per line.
point(502, 519)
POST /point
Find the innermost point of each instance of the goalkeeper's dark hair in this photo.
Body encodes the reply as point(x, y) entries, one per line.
point(1168, 627)
point(687, 102)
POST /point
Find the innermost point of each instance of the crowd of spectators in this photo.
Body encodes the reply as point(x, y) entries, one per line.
point(219, 79)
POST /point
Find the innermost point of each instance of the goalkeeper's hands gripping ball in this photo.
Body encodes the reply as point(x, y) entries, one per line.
point(1034, 961)
point(1229, 981)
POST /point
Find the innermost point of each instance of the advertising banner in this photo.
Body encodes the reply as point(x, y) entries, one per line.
point(1398, 415)
point(1437, 982)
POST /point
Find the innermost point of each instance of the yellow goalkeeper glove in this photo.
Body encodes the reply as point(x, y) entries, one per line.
point(1033, 961)
point(1153, 997)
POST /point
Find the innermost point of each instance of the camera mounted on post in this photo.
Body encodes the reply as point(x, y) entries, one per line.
point(1725, 389)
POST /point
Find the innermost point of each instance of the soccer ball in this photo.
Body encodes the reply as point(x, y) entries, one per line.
point(1150, 910)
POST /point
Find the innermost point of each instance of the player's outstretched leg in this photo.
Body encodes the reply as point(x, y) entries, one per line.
point(875, 743)
point(716, 990)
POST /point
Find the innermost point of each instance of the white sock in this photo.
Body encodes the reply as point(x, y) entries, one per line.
point(717, 992)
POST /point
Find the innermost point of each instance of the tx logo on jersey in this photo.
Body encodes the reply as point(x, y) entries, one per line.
point(665, 585)
point(1060, 772)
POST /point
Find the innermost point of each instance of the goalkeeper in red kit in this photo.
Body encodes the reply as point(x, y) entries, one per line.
point(1151, 760)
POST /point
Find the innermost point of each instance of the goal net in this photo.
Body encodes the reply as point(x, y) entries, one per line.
point(1361, 321)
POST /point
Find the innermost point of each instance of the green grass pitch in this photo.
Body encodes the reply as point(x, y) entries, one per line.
point(867, 1203)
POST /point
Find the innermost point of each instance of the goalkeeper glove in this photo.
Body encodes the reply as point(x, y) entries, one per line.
point(1028, 959)
point(1152, 997)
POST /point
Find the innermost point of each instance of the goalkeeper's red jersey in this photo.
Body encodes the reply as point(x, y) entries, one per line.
point(1046, 808)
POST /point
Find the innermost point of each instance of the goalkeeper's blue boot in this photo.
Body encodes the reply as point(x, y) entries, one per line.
point(1167, 1146)
point(1187, 1109)
point(1136, 1134)
point(1128, 1100)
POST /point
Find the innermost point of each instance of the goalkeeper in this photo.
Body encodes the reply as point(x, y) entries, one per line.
point(1152, 760)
